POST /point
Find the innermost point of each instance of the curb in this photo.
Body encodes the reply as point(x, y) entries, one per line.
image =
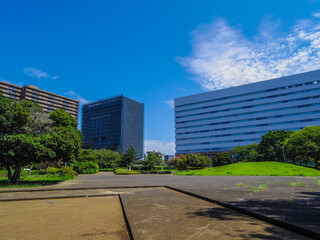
point(126, 218)
point(69, 189)
point(57, 197)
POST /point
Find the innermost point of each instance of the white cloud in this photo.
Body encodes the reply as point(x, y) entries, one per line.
point(37, 73)
point(161, 146)
point(222, 56)
point(170, 103)
point(316, 14)
point(78, 97)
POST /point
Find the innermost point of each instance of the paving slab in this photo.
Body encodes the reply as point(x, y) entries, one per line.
point(160, 213)
point(298, 205)
point(77, 218)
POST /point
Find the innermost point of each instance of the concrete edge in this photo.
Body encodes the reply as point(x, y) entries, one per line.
point(270, 220)
point(56, 197)
point(126, 218)
point(70, 189)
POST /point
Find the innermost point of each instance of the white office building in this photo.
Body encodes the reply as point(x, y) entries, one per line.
point(220, 120)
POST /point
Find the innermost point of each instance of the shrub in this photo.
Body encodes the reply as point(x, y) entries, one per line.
point(86, 167)
point(125, 171)
point(222, 158)
point(63, 171)
point(193, 160)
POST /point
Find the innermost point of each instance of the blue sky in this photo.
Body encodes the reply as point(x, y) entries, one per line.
point(155, 51)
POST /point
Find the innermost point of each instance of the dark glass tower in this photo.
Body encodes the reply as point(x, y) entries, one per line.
point(115, 123)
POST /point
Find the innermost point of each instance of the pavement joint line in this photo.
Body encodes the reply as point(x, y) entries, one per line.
point(70, 189)
point(270, 220)
point(59, 197)
point(126, 218)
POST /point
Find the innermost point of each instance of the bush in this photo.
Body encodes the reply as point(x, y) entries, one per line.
point(124, 171)
point(193, 160)
point(222, 158)
point(86, 167)
point(63, 171)
point(106, 169)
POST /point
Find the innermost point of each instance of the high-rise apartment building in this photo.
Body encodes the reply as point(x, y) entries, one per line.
point(220, 120)
point(115, 123)
point(47, 100)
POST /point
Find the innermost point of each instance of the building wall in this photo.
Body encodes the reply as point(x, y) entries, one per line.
point(114, 123)
point(220, 120)
point(101, 123)
point(47, 100)
point(132, 126)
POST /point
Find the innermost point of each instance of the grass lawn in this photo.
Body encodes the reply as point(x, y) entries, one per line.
point(256, 169)
point(34, 181)
point(124, 171)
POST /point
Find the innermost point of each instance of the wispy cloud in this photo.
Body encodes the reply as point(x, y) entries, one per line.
point(222, 56)
point(37, 73)
point(78, 97)
point(161, 146)
point(316, 14)
point(170, 103)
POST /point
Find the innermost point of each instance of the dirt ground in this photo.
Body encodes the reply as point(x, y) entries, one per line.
point(75, 218)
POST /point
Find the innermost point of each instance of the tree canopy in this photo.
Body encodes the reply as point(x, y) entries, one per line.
point(28, 135)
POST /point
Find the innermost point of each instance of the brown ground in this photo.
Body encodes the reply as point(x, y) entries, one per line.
point(76, 218)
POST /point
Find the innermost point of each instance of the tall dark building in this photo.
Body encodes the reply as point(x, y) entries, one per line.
point(115, 123)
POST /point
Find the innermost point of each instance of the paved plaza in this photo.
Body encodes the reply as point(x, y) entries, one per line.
point(154, 211)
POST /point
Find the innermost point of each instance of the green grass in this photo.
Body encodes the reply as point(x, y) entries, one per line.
point(295, 184)
point(317, 181)
point(124, 171)
point(34, 181)
point(260, 188)
point(256, 169)
point(239, 184)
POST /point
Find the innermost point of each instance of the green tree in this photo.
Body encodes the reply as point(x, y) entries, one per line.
point(21, 136)
point(304, 145)
point(61, 118)
point(129, 157)
point(65, 139)
point(272, 144)
point(222, 158)
point(193, 160)
point(151, 161)
point(22, 149)
point(108, 158)
point(248, 153)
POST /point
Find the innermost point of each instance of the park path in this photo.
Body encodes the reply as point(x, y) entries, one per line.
point(299, 206)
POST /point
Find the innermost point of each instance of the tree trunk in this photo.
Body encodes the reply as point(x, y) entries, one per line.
point(317, 163)
point(9, 171)
point(15, 178)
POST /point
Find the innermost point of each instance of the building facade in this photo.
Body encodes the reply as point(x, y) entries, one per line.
point(47, 100)
point(167, 157)
point(220, 120)
point(115, 123)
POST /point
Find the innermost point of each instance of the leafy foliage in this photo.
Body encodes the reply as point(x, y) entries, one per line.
point(304, 146)
point(271, 145)
point(222, 158)
point(86, 167)
point(248, 153)
point(151, 161)
point(30, 136)
point(129, 157)
point(193, 160)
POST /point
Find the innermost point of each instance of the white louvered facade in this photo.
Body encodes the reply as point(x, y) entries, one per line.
point(220, 120)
